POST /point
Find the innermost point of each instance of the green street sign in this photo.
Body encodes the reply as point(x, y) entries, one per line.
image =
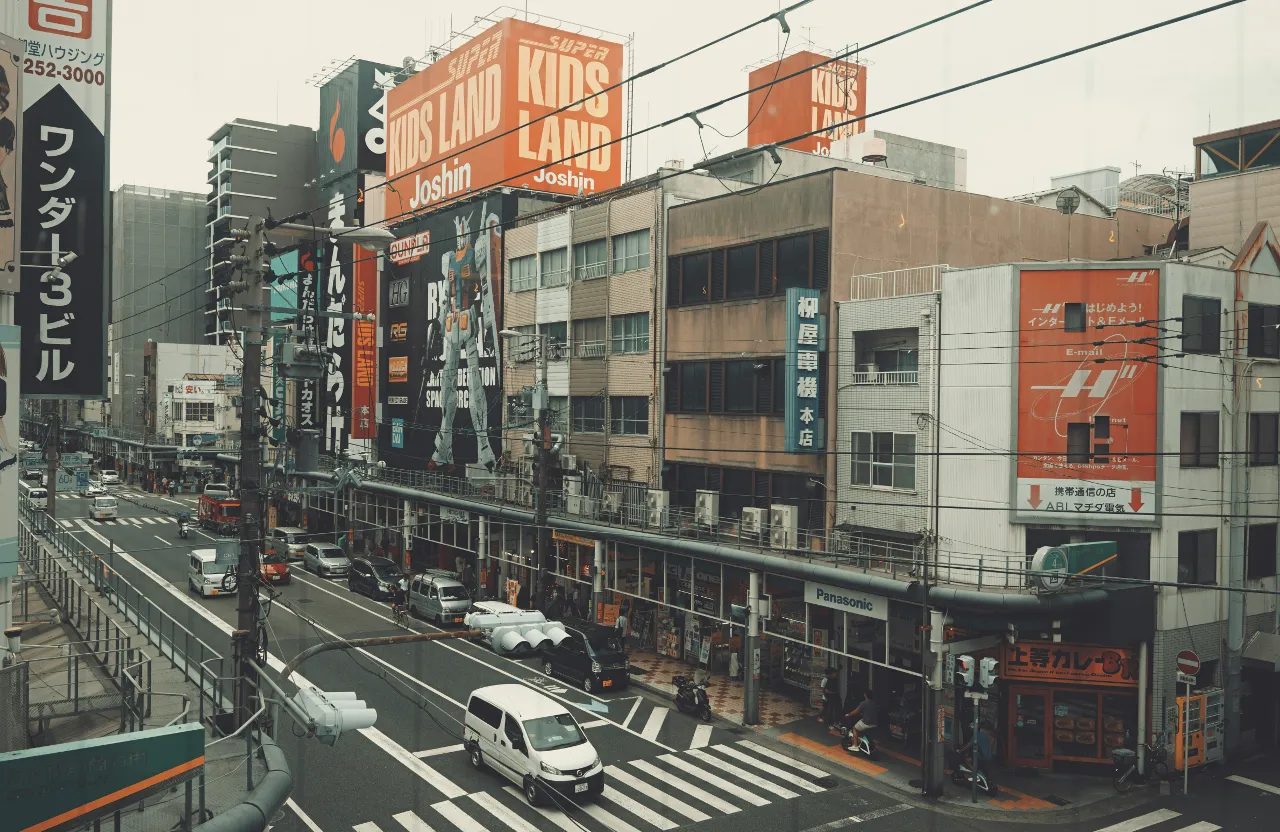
point(69, 785)
point(1051, 566)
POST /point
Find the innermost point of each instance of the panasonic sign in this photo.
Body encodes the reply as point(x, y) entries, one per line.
point(858, 603)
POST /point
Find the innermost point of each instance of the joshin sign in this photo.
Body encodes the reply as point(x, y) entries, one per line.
point(66, 76)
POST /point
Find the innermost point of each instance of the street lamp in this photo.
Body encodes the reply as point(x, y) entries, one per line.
point(540, 410)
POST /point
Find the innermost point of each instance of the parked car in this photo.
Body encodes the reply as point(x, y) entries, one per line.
point(288, 541)
point(590, 655)
point(110, 478)
point(375, 577)
point(217, 489)
point(274, 568)
point(438, 596)
point(325, 559)
point(33, 475)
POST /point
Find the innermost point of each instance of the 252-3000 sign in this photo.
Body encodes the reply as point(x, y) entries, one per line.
point(66, 72)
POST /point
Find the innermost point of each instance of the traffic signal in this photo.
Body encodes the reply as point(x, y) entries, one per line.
point(331, 713)
point(964, 671)
point(987, 672)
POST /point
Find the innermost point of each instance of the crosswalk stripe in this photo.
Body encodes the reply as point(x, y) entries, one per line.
point(654, 724)
point(66, 524)
point(367, 827)
point(502, 813)
point(436, 752)
point(786, 776)
point(701, 736)
point(1245, 781)
point(1149, 819)
point(457, 817)
point(442, 784)
point(135, 521)
point(742, 774)
point(637, 808)
point(688, 788)
point(1201, 826)
point(150, 521)
point(721, 784)
point(411, 822)
point(556, 816)
point(779, 757)
point(621, 775)
point(607, 818)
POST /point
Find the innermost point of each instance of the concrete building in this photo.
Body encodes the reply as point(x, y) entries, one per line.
point(928, 163)
point(164, 368)
point(255, 167)
point(157, 287)
point(1237, 184)
point(198, 409)
point(731, 259)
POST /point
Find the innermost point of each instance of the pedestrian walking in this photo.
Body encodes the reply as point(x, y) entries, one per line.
point(830, 696)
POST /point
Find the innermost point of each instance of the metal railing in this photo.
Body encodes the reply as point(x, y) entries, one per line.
point(591, 271)
point(589, 349)
point(892, 284)
point(885, 378)
point(559, 277)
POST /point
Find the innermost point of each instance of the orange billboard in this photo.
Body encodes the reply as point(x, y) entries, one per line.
point(442, 122)
point(1087, 395)
point(812, 101)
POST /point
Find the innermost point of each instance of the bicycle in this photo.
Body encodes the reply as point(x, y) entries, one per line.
point(400, 615)
point(1125, 773)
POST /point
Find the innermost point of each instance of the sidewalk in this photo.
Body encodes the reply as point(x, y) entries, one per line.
point(725, 694)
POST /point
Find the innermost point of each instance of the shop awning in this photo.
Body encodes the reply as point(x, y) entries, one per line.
point(1263, 651)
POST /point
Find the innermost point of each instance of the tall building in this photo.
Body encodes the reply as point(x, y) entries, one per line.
point(1237, 184)
point(157, 287)
point(256, 168)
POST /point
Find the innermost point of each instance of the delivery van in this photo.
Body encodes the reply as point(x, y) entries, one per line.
point(206, 576)
point(103, 508)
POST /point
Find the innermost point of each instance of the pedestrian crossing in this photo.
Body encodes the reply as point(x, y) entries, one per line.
point(1166, 819)
point(664, 792)
point(120, 521)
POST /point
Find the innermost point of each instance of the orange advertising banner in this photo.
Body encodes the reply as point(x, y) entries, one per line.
point(1087, 394)
point(1090, 664)
point(364, 356)
point(502, 80)
point(814, 100)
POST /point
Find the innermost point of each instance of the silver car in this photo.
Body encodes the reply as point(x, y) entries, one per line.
point(439, 596)
point(288, 541)
point(326, 560)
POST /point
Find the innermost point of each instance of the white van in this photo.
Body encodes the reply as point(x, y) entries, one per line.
point(103, 508)
point(205, 576)
point(38, 497)
point(533, 741)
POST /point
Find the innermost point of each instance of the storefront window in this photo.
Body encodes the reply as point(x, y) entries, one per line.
point(651, 565)
point(1075, 724)
point(626, 572)
point(679, 590)
point(706, 588)
point(1119, 722)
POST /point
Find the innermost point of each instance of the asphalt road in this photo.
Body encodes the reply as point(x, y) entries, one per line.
point(663, 770)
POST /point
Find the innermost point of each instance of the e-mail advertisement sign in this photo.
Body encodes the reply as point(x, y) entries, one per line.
point(503, 80)
point(353, 118)
point(1087, 395)
point(814, 100)
point(441, 380)
point(66, 75)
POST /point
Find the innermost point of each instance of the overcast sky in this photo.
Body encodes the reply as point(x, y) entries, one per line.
point(178, 74)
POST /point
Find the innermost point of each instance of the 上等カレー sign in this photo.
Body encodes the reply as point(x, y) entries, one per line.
point(1089, 664)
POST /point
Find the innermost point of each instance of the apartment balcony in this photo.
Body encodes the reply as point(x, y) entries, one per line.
point(591, 271)
point(589, 349)
point(555, 278)
point(885, 378)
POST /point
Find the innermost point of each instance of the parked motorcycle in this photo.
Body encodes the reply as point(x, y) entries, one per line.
point(962, 776)
point(866, 744)
point(691, 698)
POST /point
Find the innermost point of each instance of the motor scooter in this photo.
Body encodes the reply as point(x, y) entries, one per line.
point(691, 698)
point(961, 775)
point(184, 524)
point(866, 743)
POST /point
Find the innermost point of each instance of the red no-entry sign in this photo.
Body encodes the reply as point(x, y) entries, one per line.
point(1188, 662)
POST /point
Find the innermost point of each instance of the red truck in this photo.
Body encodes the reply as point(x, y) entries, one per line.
point(219, 514)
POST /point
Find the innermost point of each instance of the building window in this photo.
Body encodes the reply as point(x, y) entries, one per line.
point(792, 263)
point(588, 338)
point(740, 386)
point(557, 339)
point(629, 415)
point(1198, 447)
point(1201, 322)
point(558, 416)
point(590, 260)
point(1260, 551)
point(695, 276)
point(884, 460)
point(1078, 443)
point(629, 333)
point(524, 273)
point(691, 385)
point(199, 411)
point(1264, 331)
point(1198, 557)
point(1264, 431)
point(740, 279)
point(524, 347)
point(1074, 317)
point(588, 414)
point(631, 251)
point(555, 267)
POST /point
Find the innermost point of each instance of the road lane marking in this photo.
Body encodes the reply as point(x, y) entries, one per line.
point(1202, 826)
point(636, 808)
point(595, 723)
point(66, 524)
point(688, 788)
point(302, 816)
point(779, 757)
point(1149, 819)
point(502, 813)
point(701, 736)
point(627, 722)
point(1245, 781)
point(621, 775)
point(441, 783)
point(785, 776)
point(162, 540)
point(606, 817)
point(150, 521)
point(436, 752)
point(708, 777)
point(742, 774)
point(556, 816)
point(458, 817)
point(411, 822)
point(366, 827)
point(654, 724)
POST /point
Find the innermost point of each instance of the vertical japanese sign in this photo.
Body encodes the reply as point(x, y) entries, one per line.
point(10, 351)
point(806, 432)
point(10, 163)
point(336, 277)
point(364, 356)
point(66, 70)
point(1087, 395)
point(308, 390)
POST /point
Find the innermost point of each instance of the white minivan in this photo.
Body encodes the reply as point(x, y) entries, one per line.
point(206, 576)
point(533, 741)
point(38, 497)
point(103, 508)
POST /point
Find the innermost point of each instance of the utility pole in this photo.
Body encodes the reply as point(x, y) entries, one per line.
point(53, 454)
point(542, 407)
point(253, 265)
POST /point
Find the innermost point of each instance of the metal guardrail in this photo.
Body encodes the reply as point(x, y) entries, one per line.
point(885, 378)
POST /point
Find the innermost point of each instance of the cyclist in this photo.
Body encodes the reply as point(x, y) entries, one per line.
point(868, 717)
point(981, 747)
point(399, 597)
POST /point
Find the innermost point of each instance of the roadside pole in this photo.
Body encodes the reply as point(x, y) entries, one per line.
point(53, 455)
point(751, 679)
point(542, 405)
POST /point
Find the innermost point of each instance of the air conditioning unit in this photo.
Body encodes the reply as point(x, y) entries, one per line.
point(782, 526)
point(528, 444)
point(573, 486)
point(573, 503)
point(656, 502)
point(588, 508)
point(612, 502)
point(706, 510)
point(753, 521)
point(569, 462)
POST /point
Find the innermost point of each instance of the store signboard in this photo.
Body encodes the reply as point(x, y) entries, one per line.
point(849, 600)
point(805, 427)
point(1060, 663)
point(824, 93)
point(571, 538)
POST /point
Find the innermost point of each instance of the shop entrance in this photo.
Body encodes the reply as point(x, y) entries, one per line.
point(1049, 725)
